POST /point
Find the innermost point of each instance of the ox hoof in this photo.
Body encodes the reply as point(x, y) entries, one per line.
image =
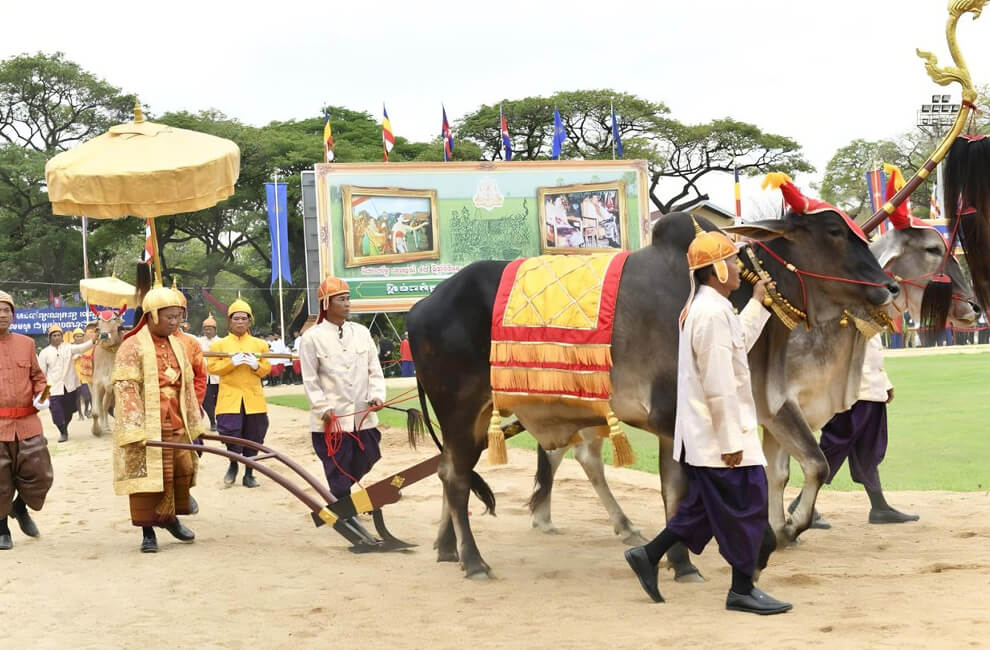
point(546, 528)
point(482, 574)
point(447, 556)
point(633, 538)
point(691, 576)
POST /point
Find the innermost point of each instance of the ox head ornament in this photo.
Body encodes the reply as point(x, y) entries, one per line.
point(820, 258)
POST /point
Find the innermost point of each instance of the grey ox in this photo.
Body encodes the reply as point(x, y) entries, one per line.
point(450, 333)
point(821, 379)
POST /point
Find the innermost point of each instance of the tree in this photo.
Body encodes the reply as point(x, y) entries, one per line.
point(692, 152)
point(844, 183)
point(47, 104)
point(685, 153)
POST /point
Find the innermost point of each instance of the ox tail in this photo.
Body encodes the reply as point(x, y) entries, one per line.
point(483, 492)
point(426, 415)
point(480, 488)
point(142, 286)
point(543, 480)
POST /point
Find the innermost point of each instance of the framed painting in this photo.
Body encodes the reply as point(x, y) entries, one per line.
point(586, 218)
point(388, 225)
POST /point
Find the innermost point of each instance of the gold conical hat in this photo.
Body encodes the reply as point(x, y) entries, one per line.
point(181, 295)
point(210, 321)
point(159, 298)
point(239, 305)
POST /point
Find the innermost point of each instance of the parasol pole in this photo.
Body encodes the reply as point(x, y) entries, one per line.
point(85, 231)
point(278, 249)
point(156, 258)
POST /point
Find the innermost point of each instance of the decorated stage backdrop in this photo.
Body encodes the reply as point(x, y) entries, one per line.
point(395, 231)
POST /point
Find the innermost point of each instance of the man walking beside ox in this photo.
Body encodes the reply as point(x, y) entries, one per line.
point(716, 433)
point(25, 465)
point(56, 362)
point(345, 386)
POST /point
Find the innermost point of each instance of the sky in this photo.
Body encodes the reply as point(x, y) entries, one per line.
point(822, 73)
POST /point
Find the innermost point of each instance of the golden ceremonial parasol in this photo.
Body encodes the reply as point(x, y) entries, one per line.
point(145, 170)
point(107, 292)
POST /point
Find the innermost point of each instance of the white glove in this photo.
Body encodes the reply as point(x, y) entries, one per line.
point(238, 359)
point(41, 406)
point(251, 360)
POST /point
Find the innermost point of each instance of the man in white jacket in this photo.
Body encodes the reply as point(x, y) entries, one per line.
point(56, 362)
point(860, 434)
point(345, 386)
point(716, 433)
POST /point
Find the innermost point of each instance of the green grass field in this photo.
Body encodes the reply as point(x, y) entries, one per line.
point(937, 426)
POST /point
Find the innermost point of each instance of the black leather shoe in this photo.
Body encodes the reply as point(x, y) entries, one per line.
point(63, 436)
point(193, 506)
point(28, 527)
point(249, 481)
point(6, 543)
point(756, 602)
point(231, 475)
point(180, 532)
point(890, 516)
point(149, 544)
point(645, 570)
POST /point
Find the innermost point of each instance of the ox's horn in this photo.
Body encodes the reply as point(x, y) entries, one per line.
point(93, 309)
point(122, 309)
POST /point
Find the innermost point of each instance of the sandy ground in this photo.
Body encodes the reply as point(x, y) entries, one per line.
point(259, 575)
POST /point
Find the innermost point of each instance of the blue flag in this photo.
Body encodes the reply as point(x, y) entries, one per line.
point(615, 135)
point(558, 135)
point(278, 227)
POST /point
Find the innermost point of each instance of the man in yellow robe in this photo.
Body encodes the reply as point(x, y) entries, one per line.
point(155, 400)
point(241, 410)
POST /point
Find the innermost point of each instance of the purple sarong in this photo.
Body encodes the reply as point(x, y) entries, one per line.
point(63, 407)
point(859, 434)
point(729, 504)
point(247, 427)
point(350, 458)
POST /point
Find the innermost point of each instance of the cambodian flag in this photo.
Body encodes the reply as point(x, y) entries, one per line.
point(506, 142)
point(448, 137)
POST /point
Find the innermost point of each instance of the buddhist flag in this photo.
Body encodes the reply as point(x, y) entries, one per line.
point(735, 176)
point(388, 138)
point(448, 137)
point(327, 140)
point(559, 135)
point(506, 142)
point(876, 185)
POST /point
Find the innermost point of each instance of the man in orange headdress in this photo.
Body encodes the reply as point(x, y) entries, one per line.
point(155, 400)
point(345, 386)
point(715, 432)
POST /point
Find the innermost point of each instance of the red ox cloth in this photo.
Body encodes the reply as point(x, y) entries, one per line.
point(552, 328)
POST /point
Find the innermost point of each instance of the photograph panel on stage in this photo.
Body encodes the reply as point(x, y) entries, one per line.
point(583, 218)
point(388, 225)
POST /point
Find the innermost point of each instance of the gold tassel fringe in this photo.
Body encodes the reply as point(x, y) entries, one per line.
point(564, 382)
point(622, 452)
point(497, 452)
point(525, 354)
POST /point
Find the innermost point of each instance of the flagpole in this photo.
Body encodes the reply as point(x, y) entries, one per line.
point(611, 109)
point(278, 249)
